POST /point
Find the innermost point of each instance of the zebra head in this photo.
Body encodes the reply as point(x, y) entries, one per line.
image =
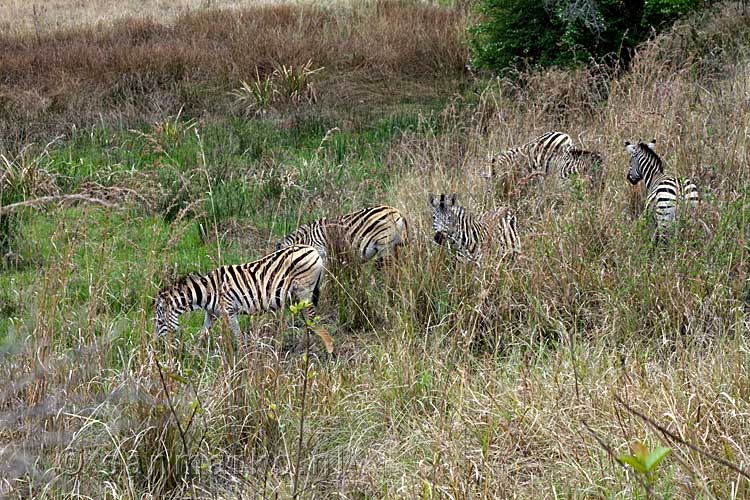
point(643, 161)
point(442, 217)
point(166, 317)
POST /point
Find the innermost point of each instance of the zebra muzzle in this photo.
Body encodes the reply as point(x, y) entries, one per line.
point(439, 238)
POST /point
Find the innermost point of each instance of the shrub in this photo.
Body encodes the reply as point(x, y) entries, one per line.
point(562, 32)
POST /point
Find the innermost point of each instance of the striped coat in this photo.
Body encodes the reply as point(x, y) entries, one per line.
point(368, 233)
point(470, 236)
point(664, 192)
point(581, 163)
point(537, 155)
point(260, 286)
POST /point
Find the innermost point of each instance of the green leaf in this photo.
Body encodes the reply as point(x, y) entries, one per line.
point(641, 451)
point(655, 457)
point(728, 452)
point(426, 490)
point(177, 378)
point(633, 462)
point(196, 407)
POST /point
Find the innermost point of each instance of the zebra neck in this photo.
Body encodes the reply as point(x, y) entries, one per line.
point(652, 179)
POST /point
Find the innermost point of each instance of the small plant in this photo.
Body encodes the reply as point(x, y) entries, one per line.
point(257, 96)
point(296, 82)
point(290, 84)
point(312, 324)
point(173, 129)
point(645, 462)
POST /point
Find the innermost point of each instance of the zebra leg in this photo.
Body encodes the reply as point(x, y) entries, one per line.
point(231, 311)
point(667, 224)
point(313, 296)
point(540, 191)
point(234, 323)
point(209, 318)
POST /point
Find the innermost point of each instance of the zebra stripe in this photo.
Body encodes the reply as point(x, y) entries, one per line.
point(467, 234)
point(537, 155)
point(367, 233)
point(665, 192)
point(260, 286)
point(580, 162)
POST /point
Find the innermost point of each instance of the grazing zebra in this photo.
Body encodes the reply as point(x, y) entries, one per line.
point(260, 286)
point(537, 155)
point(664, 192)
point(468, 234)
point(581, 163)
point(367, 233)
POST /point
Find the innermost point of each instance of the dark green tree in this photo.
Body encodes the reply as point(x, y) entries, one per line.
point(561, 32)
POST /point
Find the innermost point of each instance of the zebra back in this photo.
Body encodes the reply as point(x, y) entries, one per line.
point(366, 233)
point(259, 286)
point(545, 149)
point(536, 156)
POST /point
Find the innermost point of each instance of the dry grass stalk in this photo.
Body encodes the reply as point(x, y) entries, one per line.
point(45, 200)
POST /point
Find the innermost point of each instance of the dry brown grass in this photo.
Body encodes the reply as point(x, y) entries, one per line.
point(19, 17)
point(137, 70)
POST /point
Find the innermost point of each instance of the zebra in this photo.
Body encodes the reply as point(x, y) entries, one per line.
point(468, 234)
point(259, 286)
point(580, 162)
point(664, 192)
point(368, 233)
point(537, 155)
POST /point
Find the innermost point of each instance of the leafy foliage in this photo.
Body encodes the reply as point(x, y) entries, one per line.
point(563, 32)
point(644, 461)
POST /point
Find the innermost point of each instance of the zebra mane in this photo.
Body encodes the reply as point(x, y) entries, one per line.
point(544, 136)
point(651, 154)
point(302, 229)
point(537, 139)
point(577, 153)
point(180, 282)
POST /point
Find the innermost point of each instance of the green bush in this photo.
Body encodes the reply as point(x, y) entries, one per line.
point(563, 32)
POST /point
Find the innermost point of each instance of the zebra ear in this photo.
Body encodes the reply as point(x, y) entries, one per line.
point(652, 144)
point(454, 199)
point(630, 148)
point(433, 200)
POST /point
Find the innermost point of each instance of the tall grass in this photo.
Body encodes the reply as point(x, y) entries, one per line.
point(447, 380)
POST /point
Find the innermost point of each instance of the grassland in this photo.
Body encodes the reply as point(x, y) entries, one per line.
point(446, 382)
point(20, 17)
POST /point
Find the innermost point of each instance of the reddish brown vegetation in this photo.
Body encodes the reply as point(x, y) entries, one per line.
point(137, 69)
